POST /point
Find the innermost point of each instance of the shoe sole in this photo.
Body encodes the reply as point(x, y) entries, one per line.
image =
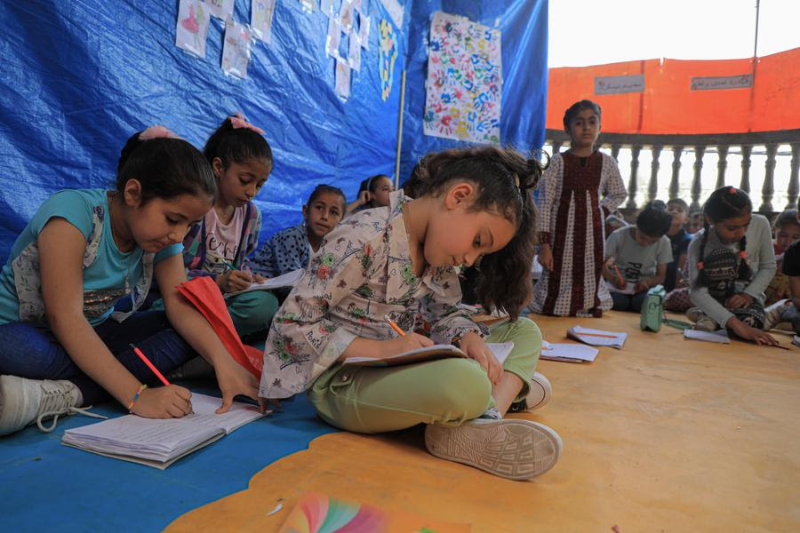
point(508, 448)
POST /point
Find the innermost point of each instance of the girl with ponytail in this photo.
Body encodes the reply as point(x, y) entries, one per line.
point(731, 262)
point(378, 269)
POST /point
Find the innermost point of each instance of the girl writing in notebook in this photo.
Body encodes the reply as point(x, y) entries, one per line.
point(472, 205)
point(84, 250)
point(580, 188)
point(219, 245)
point(731, 262)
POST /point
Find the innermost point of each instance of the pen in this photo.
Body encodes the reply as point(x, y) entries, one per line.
point(582, 333)
point(150, 365)
point(619, 274)
point(394, 326)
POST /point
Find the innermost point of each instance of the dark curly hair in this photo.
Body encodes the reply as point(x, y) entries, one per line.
point(505, 180)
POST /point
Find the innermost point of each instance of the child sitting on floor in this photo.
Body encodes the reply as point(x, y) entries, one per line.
point(786, 230)
point(219, 245)
point(373, 192)
point(291, 248)
point(386, 264)
point(731, 262)
point(82, 252)
point(679, 241)
point(640, 254)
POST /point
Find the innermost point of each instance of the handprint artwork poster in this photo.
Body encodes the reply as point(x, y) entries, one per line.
point(465, 80)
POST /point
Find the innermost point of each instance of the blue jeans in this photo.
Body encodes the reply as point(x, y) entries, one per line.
point(30, 350)
point(628, 302)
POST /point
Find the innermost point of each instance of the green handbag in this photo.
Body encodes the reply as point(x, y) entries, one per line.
point(653, 314)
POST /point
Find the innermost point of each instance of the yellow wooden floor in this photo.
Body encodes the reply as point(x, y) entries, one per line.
point(664, 435)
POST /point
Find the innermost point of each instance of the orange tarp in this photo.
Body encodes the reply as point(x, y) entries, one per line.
point(669, 106)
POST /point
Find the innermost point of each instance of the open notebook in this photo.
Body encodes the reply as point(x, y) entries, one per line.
point(568, 352)
point(161, 442)
point(431, 353)
point(597, 337)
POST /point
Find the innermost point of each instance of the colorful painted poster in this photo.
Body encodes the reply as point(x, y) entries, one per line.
point(464, 84)
point(342, 87)
point(192, 28)
point(236, 49)
point(261, 13)
point(333, 39)
point(387, 57)
point(363, 30)
point(222, 9)
point(354, 53)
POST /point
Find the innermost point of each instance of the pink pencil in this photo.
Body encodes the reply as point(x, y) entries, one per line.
point(150, 365)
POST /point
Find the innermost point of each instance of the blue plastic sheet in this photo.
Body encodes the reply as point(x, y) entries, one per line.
point(523, 29)
point(80, 76)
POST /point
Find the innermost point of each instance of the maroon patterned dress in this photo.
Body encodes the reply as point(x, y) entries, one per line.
point(575, 195)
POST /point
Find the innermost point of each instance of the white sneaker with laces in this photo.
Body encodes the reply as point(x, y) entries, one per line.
point(539, 394)
point(25, 401)
point(509, 448)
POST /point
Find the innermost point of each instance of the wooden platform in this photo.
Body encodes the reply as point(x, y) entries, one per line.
point(664, 435)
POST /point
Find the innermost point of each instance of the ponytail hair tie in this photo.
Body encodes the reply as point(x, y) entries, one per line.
point(700, 265)
point(157, 132)
point(238, 121)
point(732, 190)
point(743, 254)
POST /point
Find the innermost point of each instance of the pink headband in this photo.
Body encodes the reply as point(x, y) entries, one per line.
point(238, 121)
point(156, 132)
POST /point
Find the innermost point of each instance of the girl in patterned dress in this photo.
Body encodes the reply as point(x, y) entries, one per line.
point(64, 346)
point(580, 188)
point(396, 261)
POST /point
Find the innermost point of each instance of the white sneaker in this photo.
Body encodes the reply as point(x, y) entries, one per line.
point(540, 393)
point(25, 401)
point(772, 313)
point(509, 448)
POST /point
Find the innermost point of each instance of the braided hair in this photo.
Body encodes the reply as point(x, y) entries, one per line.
point(505, 180)
point(724, 203)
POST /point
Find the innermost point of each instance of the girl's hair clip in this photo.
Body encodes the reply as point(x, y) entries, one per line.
point(700, 265)
point(238, 121)
point(157, 132)
point(732, 190)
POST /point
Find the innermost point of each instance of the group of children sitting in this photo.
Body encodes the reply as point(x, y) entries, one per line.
point(96, 272)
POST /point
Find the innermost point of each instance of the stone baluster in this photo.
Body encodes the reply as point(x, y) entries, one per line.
point(722, 164)
point(674, 184)
point(697, 185)
point(745, 183)
point(794, 178)
point(615, 148)
point(769, 176)
point(632, 183)
point(557, 146)
point(652, 187)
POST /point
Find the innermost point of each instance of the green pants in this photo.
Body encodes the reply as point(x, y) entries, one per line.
point(446, 391)
point(252, 312)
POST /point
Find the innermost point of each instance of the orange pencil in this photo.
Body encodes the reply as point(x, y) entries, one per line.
point(394, 326)
point(596, 335)
point(619, 274)
point(150, 365)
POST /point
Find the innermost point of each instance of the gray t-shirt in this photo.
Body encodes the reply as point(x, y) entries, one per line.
point(635, 261)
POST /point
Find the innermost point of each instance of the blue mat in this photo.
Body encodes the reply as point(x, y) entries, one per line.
point(47, 486)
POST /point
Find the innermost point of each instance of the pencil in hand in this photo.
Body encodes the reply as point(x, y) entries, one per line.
point(150, 365)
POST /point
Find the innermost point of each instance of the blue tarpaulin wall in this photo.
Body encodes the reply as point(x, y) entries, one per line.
point(80, 77)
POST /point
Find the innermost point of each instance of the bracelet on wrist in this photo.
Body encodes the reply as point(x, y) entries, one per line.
point(136, 397)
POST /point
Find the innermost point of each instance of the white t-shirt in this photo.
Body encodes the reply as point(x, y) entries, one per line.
point(635, 261)
point(222, 240)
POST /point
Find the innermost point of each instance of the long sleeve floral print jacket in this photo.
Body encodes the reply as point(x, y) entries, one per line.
point(361, 272)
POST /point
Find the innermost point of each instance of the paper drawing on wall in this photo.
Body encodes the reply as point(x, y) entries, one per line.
point(192, 28)
point(363, 30)
point(342, 87)
point(236, 49)
point(387, 57)
point(222, 9)
point(354, 53)
point(464, 84)
point(333, 39)
point(347, 15)
point(326, 6)
point(261, 13)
